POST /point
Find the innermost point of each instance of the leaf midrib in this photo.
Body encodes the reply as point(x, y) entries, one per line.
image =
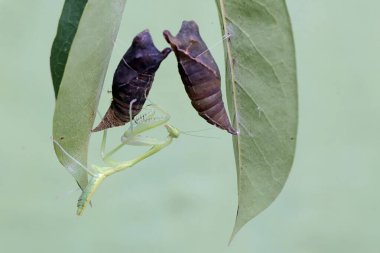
point(233, 79)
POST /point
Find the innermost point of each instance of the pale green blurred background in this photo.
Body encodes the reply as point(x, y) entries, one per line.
point(184, 198)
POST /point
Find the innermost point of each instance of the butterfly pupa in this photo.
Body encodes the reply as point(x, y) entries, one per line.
point(132, 81)
point(200, 75)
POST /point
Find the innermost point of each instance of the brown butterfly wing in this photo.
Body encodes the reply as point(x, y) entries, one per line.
point(200, 75)
point(132, 81)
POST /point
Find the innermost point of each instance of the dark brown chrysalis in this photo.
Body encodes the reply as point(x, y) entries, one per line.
point(199, 74)
point(132, 81)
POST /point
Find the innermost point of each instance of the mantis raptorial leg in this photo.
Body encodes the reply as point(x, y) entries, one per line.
point(131, 137)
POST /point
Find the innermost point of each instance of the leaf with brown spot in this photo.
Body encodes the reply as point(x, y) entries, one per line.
point(82, 83)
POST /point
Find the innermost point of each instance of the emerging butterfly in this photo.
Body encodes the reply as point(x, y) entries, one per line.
point(199, 74)
point(132, 81)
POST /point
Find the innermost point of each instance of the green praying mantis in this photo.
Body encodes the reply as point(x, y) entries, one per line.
point(132, 136)
point(130, 87)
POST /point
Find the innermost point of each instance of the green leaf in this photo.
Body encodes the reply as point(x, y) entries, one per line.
point(262, 98)
point(82, 83)
point(67, 28)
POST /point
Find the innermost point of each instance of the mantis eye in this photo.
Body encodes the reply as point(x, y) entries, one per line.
point(200, 75)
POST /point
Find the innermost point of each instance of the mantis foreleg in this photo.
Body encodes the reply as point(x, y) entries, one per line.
point(131, 137)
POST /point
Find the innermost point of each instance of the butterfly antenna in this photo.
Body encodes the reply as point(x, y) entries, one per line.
point(226, 36)
point(200, 130)
point(189, 133)
point(71, 157)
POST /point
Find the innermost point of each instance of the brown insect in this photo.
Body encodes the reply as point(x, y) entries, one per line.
point(132, 81)
point(199, 74)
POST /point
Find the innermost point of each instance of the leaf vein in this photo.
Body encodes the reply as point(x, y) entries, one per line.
point(253, 44)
